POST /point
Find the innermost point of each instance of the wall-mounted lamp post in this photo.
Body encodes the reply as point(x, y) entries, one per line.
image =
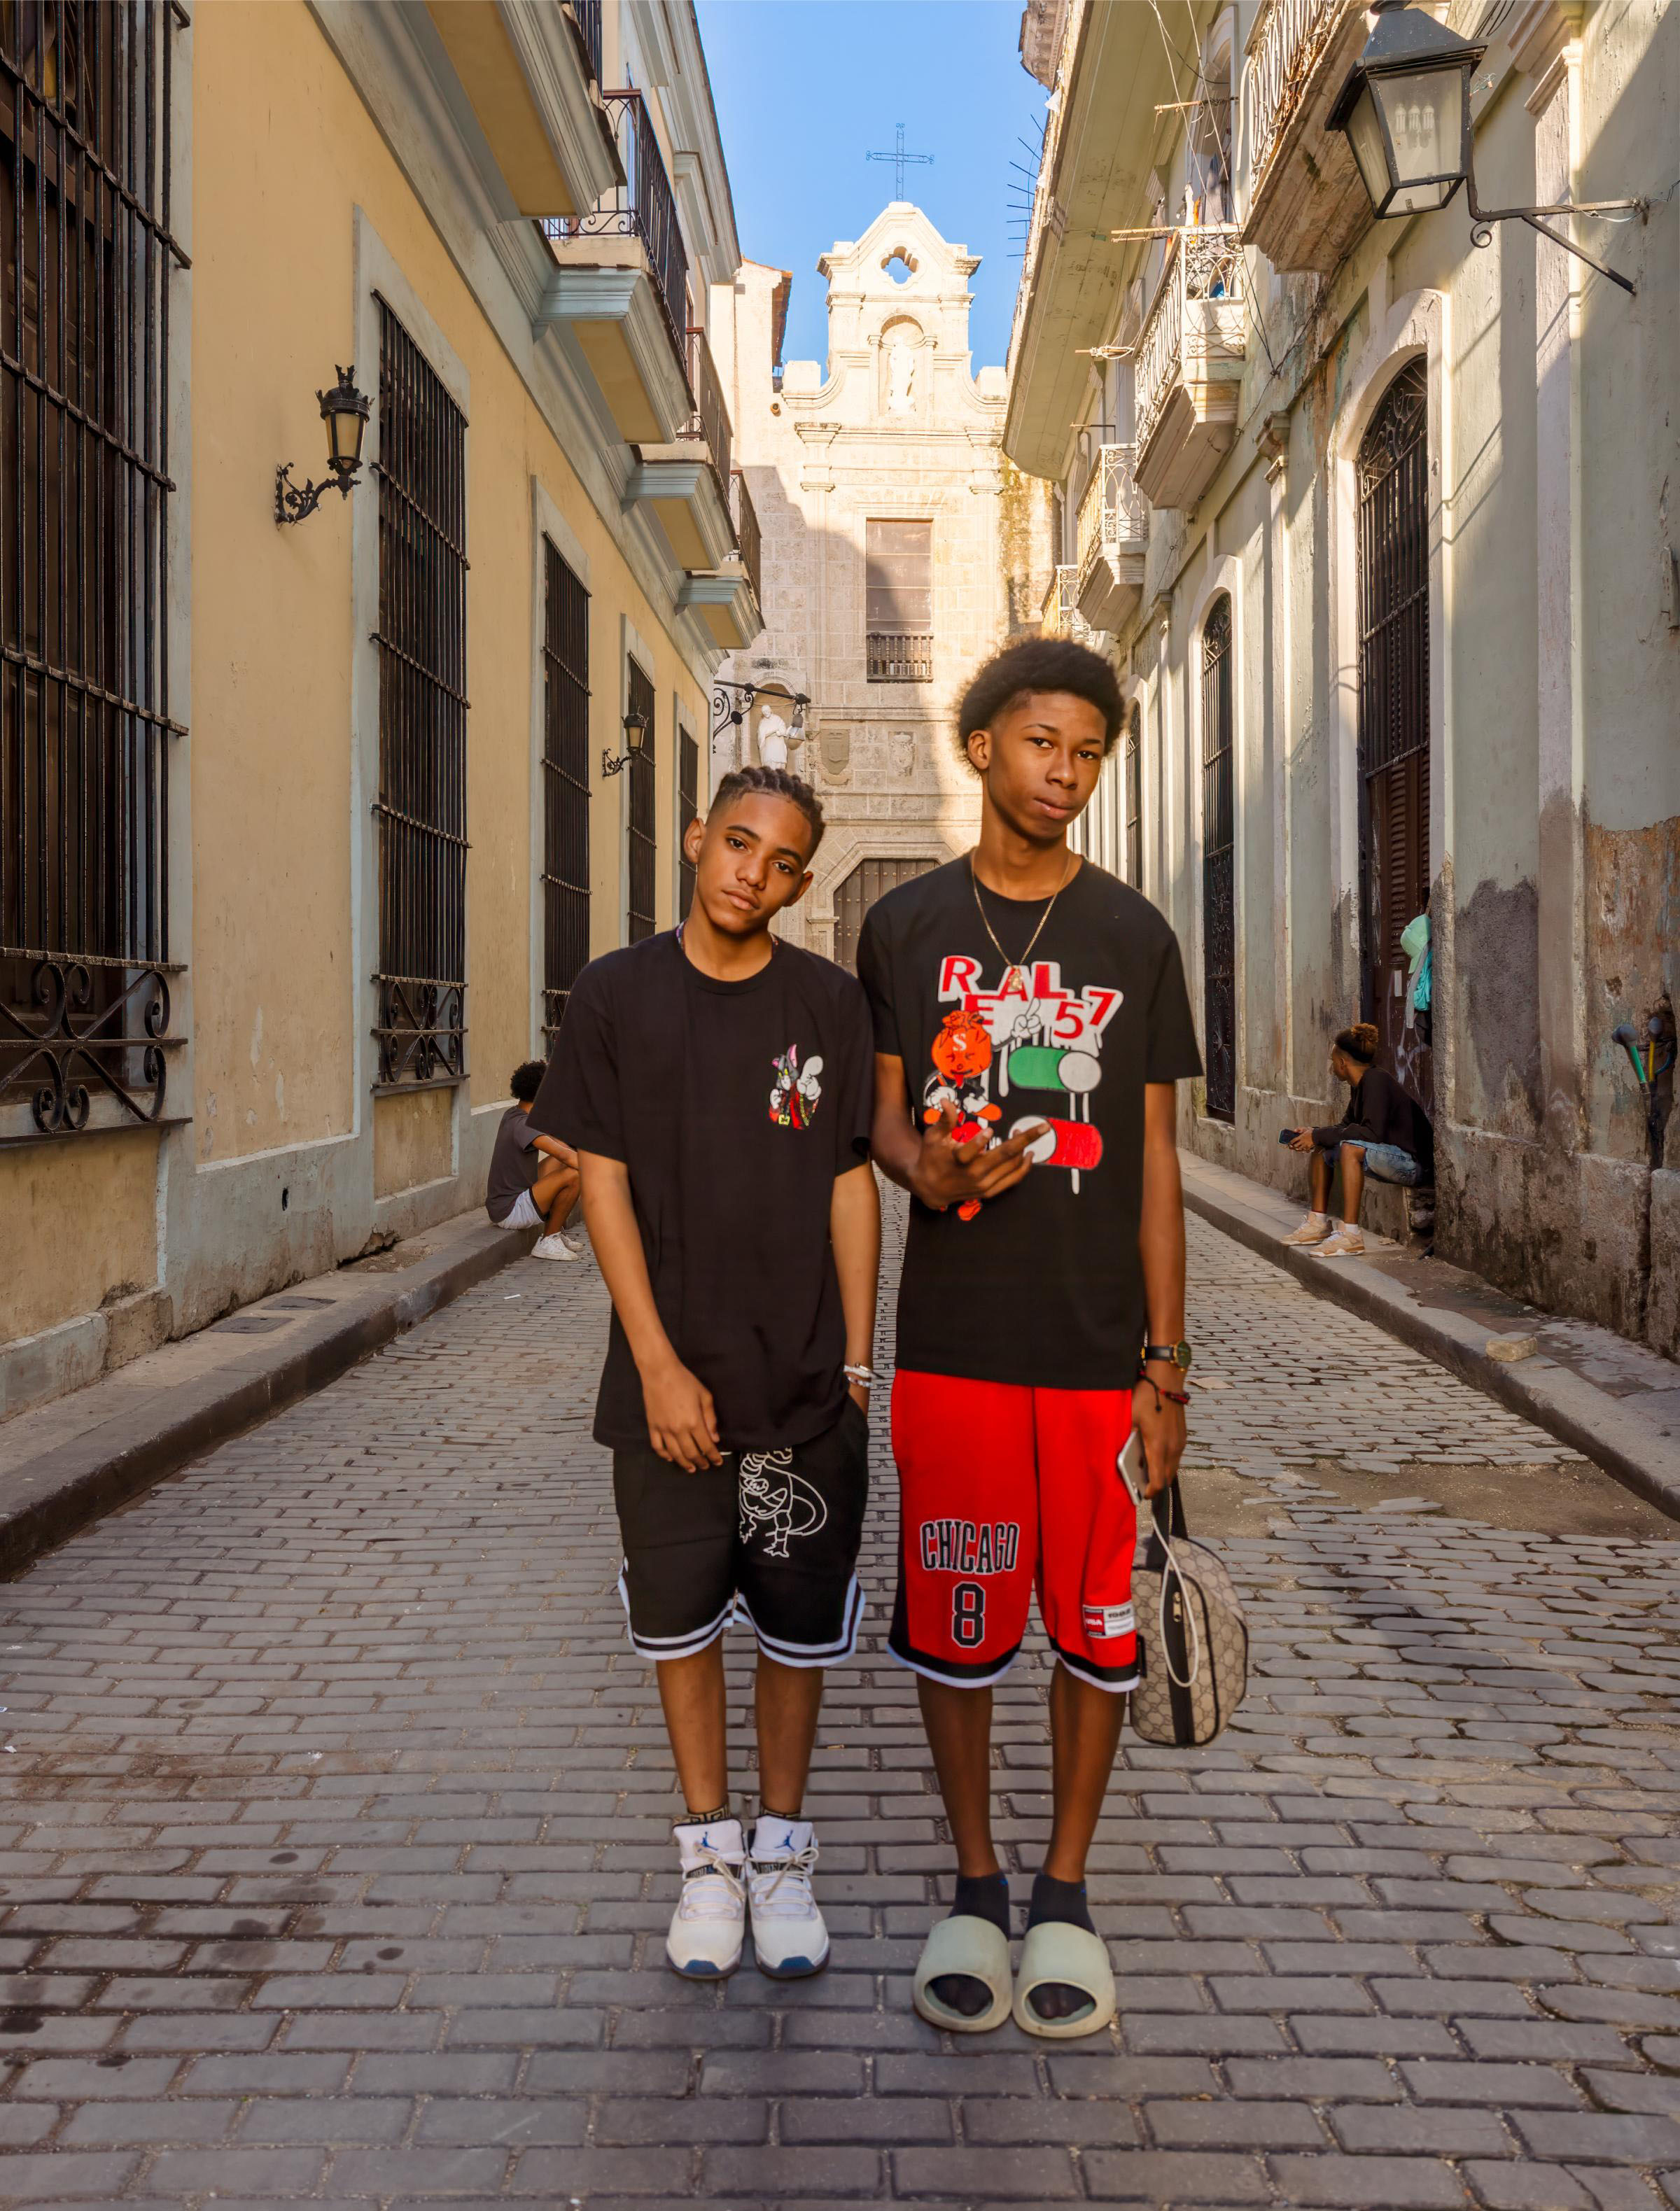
point(345, 411)
point(1405, 111)
point(731, 703)
point(635, 743)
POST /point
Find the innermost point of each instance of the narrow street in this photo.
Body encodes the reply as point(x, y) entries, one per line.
point(336, 1862)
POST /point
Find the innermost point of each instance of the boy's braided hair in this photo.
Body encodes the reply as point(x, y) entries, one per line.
point(775, 783)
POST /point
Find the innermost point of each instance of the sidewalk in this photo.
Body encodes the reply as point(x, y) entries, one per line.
point(1616, 1400)
point(66, 1463)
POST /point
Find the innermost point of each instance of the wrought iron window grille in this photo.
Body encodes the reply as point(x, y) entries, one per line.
point(421, 811)
point(87, 252)
point(642, 833)
point(566, 895)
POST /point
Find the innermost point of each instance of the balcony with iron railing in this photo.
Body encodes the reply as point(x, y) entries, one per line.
point(895, 657)
point(1189, 366)
point(638, 215)
point(1306, 203)
point(710, 422)
point(1113, 539)
point(1060, 615)
point(586, 15)
point(747, 537)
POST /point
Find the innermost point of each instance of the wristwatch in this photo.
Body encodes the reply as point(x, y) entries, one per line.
point(1175, 1354)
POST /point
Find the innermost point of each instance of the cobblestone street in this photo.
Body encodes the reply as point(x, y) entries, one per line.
point(335, 1862)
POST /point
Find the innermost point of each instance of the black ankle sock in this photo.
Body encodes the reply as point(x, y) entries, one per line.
point(984, 1896)
point(1062, 1900)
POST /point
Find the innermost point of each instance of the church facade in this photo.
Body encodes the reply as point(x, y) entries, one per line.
point(898, 550)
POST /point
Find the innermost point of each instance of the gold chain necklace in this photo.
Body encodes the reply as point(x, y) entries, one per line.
point(975, 885)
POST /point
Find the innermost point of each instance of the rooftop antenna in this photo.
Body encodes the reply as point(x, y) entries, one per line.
point(900, 161)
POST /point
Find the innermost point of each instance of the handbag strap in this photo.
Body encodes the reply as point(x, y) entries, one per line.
point(1167, 1513)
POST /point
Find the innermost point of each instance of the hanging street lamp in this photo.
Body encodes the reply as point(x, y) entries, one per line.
point(1405, 111)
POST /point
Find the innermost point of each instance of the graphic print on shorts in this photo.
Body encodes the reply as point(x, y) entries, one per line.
point(1028, 1051)
point(795, 1091)
point(774, 1497)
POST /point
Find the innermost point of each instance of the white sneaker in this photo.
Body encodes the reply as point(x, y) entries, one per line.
point(709, 1922)
point(789, 1937)
point(1312, 1230)
point(1346, 1244)
point(553, 1247)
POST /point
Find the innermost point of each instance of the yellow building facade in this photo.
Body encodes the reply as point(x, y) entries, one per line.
point(308, 824)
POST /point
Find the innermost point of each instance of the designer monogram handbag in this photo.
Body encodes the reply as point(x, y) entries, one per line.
point(1192, 1639)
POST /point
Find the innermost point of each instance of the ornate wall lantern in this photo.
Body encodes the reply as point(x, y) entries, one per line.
point(635, 743)
point(1405, 111)
point(345, 411)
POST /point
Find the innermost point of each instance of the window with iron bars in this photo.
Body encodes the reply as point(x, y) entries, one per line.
point(564, 787)
point(1134, 796)
point(642, 854)
point(421, 808)
point(87, 254)
point(1219, 958)
point(688, 810)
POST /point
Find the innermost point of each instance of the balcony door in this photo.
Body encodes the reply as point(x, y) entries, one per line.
point(1394, 717)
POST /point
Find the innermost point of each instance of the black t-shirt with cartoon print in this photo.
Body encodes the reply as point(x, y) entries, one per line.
point(734, 1105)
point(1043, 1286)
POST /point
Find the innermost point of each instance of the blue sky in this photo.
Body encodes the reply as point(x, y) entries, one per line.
point(805, 87)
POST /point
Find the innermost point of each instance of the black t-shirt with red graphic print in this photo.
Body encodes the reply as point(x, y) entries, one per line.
point(734, 1105)
point(1043, 1286)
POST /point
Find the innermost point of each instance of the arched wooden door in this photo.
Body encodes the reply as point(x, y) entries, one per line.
point(1394, 717)
point(869, 881)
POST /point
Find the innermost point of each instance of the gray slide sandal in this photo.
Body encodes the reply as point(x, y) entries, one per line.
point(964, 1944)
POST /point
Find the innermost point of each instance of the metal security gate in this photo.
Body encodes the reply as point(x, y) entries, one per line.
point(421, 808)
point(1394, 716)
point(87, 255)
point(1219, 936)
point(869, 881)
point(565, 786)
point(642, 852)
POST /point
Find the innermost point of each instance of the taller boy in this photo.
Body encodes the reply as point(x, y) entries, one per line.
point(1030, 1023)
point(715, 1083)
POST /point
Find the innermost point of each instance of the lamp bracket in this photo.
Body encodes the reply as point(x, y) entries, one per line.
point(292, 502)
point(611, 766)
point(1482, 220)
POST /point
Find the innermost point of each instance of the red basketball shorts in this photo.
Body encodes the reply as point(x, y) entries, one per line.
point(1004, 1489)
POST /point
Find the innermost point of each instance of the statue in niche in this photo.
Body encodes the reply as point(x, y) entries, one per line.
point(773, 736)
point(901, 752)
point(901, 377)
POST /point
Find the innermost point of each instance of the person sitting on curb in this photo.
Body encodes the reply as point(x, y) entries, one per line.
point(1384, 1134)
point(534, 1181)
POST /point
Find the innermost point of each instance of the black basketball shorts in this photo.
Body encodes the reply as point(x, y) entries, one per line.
point(771, 1537)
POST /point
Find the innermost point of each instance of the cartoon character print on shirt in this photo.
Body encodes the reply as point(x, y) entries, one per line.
point(795, 1091)
point(1030, 1039)
point(773, 1499)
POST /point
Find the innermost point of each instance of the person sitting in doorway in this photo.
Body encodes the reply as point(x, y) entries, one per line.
point(1384, 1134)
point(534, 1181)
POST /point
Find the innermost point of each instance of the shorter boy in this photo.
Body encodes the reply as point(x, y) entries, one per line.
point(717, 1083)
point(534, 1180)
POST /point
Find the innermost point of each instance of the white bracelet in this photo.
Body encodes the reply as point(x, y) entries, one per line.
point(864, 1374)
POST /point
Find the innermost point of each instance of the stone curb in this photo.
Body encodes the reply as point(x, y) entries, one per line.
point(52, 1496)
point(1639, 1445)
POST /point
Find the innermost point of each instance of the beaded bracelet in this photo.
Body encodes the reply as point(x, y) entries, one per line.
point(1173, 1396)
